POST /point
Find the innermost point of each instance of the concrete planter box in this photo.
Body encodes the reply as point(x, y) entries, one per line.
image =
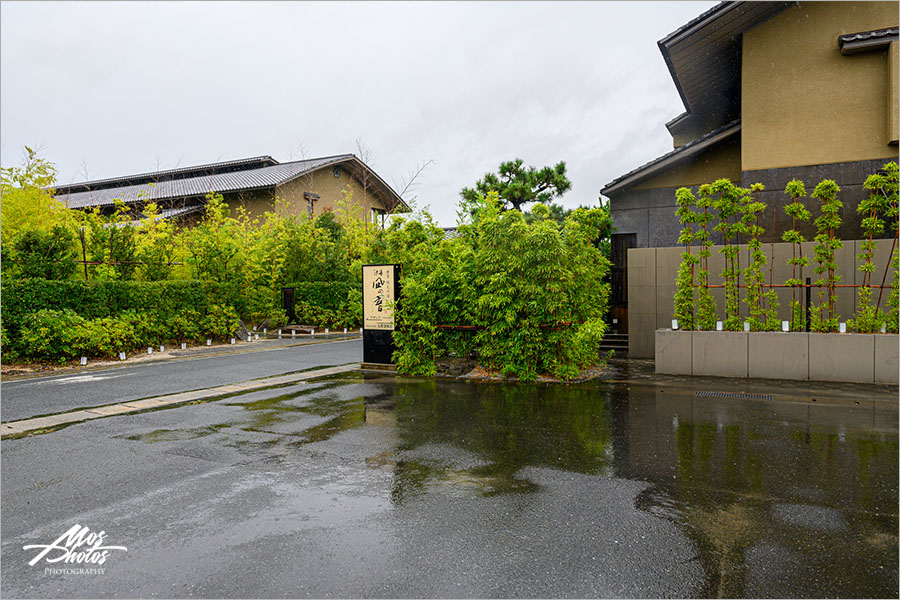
point(720, 353)
point(850, 357)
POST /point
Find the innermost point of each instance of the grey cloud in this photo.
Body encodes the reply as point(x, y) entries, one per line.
point(466, 84)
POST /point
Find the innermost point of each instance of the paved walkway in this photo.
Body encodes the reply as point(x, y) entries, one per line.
point(15, 428)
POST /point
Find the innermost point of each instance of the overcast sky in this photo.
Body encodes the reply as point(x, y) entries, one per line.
point(124, 87)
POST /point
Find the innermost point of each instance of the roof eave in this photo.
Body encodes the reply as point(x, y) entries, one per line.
point(691, 26)
point(669, 160)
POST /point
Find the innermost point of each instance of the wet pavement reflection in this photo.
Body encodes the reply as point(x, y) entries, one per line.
point(776, 489)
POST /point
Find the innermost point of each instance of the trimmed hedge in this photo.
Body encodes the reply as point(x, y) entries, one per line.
point(159, 311)
point(328, 295)
point(102, 299)
point(76, 318)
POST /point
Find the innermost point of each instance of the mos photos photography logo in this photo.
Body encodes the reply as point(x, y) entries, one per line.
point(78, 551)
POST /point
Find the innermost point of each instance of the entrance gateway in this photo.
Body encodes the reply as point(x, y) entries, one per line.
point(381, 288)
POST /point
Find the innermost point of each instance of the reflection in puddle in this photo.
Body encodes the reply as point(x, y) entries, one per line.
point(773, 495)
point(172, 435)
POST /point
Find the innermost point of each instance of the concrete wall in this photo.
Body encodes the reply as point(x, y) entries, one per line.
point(850, 357)
point(802, 101)
point(651, 285)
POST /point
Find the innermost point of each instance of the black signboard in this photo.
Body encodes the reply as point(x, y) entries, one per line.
point(381, 288)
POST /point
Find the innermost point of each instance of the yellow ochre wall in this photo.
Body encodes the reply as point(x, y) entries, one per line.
point(321, 182)
point(802, 101)
point(893, 93)
point(330, 191)
point(716, 162)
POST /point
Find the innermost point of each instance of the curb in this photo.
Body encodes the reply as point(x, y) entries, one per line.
point(24, 426)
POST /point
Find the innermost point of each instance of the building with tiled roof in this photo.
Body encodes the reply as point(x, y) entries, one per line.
point(306, 187)
point(772, 91)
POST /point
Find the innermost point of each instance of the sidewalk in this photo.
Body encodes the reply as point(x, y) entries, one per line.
point(265, 342)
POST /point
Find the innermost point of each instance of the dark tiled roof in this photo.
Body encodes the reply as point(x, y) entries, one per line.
point(869, 35)
point(168, 213)
point(865, 41)
point(704, 56)
point(242, 164)
point(646, 170)
point(193, 186)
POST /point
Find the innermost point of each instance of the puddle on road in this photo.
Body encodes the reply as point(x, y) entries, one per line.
point(777, 497)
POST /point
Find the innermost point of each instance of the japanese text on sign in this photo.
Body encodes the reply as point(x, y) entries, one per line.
point(378, 297)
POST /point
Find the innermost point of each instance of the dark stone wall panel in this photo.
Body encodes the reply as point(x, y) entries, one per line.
point(651, 213)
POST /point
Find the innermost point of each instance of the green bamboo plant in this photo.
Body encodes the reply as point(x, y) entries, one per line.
point(684, 283)
point(826, 245)
point(728, 202)
point(798, 213)
point(762, 305)
point(868, 317)
point(891, 215)
point(705, 315)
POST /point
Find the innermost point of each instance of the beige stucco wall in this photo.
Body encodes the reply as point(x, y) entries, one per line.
point(893, 97)
point(721, 160)
point(803, 102)
point(330, 190)
point(322, 182)
point(255, 203)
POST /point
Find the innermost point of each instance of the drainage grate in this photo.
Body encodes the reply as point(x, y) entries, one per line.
point(735, 395)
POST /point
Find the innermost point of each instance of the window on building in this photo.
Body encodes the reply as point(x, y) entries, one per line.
point(378, 215)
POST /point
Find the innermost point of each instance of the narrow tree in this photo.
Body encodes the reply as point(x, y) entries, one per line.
point(762, 304)
point(797, 212)
point(891, 215)
point(728, 205)
point(826, 245)
point(705, 315)
point(684, 283)
point(868, 317)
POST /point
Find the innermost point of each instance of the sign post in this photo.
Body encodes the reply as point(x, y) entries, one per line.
point(287, 303)
point(381, 288)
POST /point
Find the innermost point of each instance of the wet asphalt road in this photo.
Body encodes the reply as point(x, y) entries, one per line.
point(46, 395)
point(381, 487)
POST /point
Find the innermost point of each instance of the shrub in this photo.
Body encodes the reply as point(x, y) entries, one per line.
point(109, 298)
point(45, 255)
point(184, 326)
point(52, 335)
point(220, 322)
point(107, 336)
point(535, 292)
point(329, 295)
point(277, 318)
